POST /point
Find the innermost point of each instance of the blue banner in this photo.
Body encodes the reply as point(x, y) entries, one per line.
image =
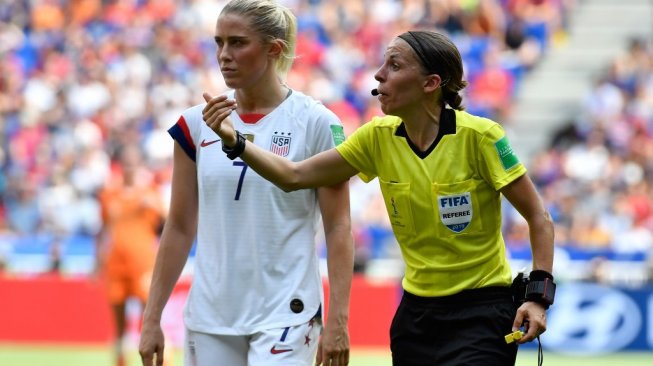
point(588, 318)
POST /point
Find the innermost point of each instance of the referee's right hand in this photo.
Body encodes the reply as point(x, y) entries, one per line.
point(533, 317)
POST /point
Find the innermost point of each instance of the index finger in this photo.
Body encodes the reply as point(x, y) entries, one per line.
point(531, 333)
point(340, 358)
point(159, 356)
point(146, 359)
point(519, 320)
point(210, 101)
point(319, 355)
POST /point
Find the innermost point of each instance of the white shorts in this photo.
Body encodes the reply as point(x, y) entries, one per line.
point(291, 346)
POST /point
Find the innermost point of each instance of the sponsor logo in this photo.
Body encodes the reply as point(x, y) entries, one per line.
point(593, 319)
point(456, 211)
point(205, 143)
point(275, 351)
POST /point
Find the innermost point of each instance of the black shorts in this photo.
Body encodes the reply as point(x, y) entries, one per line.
point(465, 329)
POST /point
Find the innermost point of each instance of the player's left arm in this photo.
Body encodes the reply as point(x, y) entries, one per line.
point(333, 348)
point(521, 193)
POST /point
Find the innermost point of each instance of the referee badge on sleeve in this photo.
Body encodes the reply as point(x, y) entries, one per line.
point(338, 134)
point(456, 211)
point(506, 154)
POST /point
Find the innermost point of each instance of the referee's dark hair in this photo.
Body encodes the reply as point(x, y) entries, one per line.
point(439, 55)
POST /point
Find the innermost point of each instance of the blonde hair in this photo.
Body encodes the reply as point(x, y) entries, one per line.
point(271, 21)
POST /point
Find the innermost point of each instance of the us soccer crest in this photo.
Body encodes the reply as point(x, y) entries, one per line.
point(280, 143)
point(456, 211)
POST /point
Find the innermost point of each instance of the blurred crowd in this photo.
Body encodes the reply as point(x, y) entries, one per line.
point(82, 80)
point(597, 175)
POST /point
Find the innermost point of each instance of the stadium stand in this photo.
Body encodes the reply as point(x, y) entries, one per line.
point(81, 78)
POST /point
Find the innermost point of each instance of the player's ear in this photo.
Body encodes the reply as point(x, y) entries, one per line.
point(432, 82)
point(276, 48)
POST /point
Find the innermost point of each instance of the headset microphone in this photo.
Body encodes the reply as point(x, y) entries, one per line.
point(375, 92)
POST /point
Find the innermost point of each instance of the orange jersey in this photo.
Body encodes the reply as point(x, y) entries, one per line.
point(131, 217)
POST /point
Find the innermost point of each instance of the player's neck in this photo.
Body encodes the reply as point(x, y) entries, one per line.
point(261, 100)
point(423, 126)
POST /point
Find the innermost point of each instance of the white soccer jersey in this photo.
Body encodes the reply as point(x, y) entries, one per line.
point(255, 252)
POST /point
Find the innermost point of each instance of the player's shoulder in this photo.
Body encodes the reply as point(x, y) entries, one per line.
point(301, 101)
point(377, 127)
point(383, 122)
point(194, 112)
point(306, 106)
point(466, 122)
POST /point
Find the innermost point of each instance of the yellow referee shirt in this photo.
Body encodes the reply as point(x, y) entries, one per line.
point(443, 203)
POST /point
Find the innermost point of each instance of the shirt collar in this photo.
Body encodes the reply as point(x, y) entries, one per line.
point(447, 127)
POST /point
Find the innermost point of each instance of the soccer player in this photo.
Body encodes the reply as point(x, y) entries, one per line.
point(256, 296)
point(132, 212)
point(442, 172)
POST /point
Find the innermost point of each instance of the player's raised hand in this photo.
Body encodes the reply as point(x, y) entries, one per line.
point(333, 349)
point(216, 115)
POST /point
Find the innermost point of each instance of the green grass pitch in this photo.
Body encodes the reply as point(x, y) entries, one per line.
point(35, 355)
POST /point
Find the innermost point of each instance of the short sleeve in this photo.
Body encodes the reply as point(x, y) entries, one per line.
point(187, 130)
point(357, 151)
point(498, 163)
point(327, 131)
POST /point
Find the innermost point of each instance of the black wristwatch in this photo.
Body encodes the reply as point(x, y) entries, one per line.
point(541, 288)
point(237, 150)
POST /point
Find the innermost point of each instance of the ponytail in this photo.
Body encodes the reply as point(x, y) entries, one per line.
point(451, 95)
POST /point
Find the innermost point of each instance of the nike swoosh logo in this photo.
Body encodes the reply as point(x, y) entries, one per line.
point(204, 143)
point(276, 351)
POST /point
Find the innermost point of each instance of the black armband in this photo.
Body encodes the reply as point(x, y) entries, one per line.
point(238, 149)
point(540, 288)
